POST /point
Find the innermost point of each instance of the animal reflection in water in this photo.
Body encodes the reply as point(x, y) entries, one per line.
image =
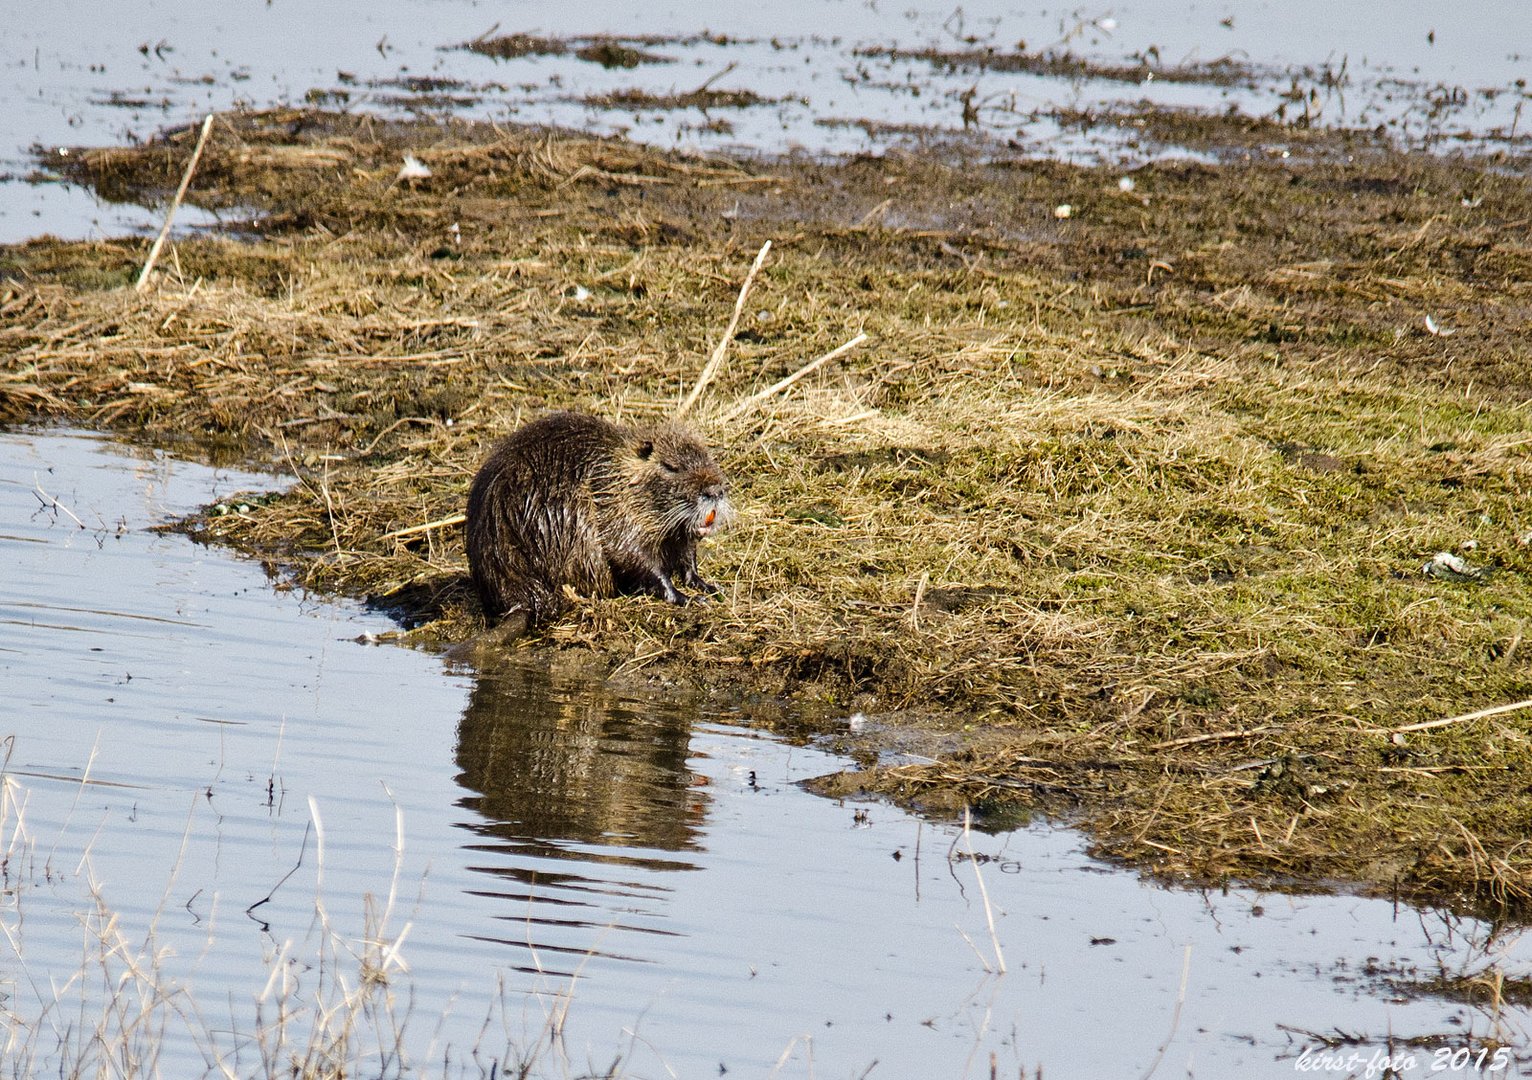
point(579, 792)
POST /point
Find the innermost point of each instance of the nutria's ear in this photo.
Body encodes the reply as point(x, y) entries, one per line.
point(645, 449)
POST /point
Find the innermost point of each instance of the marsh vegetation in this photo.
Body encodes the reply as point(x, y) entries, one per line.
point(1120, 511)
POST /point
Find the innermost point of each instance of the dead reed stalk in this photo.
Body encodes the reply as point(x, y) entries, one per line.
point(715, 361)
point(175, 204)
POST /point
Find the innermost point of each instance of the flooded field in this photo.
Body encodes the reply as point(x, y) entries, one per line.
point(845, 76)
point(235, 833)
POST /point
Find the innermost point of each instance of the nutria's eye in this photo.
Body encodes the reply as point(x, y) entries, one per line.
point(668, 467)
point(645, 449)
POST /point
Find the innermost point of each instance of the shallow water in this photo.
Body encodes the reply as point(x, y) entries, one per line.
point(188, 738)
point(77, 73)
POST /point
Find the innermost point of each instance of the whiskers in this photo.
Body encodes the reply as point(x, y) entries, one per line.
point(692, 516)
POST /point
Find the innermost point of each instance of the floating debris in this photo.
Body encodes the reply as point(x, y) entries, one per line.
point(611, 53)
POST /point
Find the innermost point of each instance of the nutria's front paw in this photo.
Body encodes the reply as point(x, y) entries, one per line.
point(675, 596)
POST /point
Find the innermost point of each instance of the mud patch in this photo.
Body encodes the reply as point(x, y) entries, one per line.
point(603, 49)
point(1067, 65)
point(701, 99)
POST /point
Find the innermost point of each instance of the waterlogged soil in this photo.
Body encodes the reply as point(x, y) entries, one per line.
point(713, 75)
point(1187, 501)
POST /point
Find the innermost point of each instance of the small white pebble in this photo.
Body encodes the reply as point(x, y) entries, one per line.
point(1063, 210)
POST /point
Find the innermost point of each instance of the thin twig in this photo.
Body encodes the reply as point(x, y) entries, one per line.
point(52, 503)
point(867, 218)
point(1427, 725)
point(370, 447)
point(920, 594)
point(303, 847)
point(324, 489)
point(918, 823)
point(989, 914)
point(716, 76)
point(787, 1052)
point(440, 523)
point(1212, 736)
point(716, 360)
point(90, 763)
point(170, 215)
point(1175, 1017)
point(813, 365)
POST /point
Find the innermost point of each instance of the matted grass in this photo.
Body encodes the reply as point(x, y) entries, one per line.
point(1123, 512)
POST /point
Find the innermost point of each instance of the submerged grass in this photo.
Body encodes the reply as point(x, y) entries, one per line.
point(1121, 510)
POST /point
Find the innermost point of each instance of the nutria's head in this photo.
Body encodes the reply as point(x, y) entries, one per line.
point(680, 482)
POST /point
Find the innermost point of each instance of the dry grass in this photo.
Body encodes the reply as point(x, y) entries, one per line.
point(1123, 513)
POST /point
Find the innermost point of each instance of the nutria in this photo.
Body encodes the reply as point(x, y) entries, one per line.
point(572, 500)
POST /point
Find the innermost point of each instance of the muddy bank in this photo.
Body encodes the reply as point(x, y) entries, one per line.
point(1122, 510)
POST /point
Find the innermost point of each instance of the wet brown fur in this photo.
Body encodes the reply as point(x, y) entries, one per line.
point(574, 500)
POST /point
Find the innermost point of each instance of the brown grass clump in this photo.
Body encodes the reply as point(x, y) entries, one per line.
point(1123, 511)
